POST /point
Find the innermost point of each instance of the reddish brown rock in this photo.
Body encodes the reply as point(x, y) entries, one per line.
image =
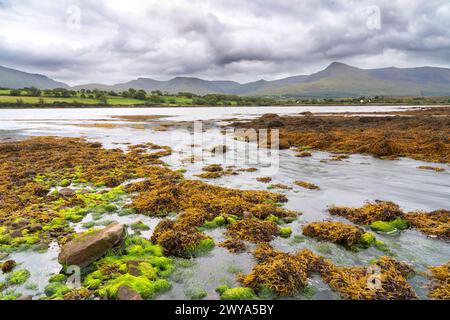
point(126, 293)
point(84, 250)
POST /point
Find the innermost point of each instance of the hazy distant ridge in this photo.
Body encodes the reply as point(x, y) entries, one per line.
point(337, 80)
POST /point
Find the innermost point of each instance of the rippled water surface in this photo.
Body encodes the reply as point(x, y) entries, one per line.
point(349, 182)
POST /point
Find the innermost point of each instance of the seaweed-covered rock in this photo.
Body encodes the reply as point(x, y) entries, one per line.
point(386, 279)
point(440, 282)
point(307, 185)
point(252, 229)
point(88, 248)
point(233, 245)
point(436, 223)
point(282, 273)
point(370, 212)
point(336, 232)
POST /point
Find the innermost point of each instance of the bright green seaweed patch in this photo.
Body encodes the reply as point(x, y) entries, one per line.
point(18, 277)
point(204, 246)
point(368, 239)
point(239, 293)
point(56, 290)
point(390, 226)
point(139, 225)
point(215, 223)
point(285, 232)
point(145, 287)
point(139, 265)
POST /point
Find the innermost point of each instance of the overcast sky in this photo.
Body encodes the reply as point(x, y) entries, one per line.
point(111, 41)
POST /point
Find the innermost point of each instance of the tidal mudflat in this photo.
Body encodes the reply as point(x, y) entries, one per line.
point(351, 210)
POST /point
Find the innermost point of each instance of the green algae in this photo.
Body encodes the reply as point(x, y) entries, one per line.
point(56, 289)
point(205, 245)
point(215, 223)
point(58, 278)
point(139, 226)
point(145, 287)
point(239, 293)
point(389, 226)
point(368, 239)
point(285, 232)
point(18, 277)
point(139, 265)
point(308, 292)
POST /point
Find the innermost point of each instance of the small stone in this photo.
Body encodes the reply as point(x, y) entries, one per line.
point(8, 265)
point(16, 234)
point(20, 223)
point(25, 297)
point(35, 227)
point(126, 293)
point(67, 192)
point(134, 271)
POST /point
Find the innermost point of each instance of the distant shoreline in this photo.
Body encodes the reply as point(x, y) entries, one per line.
point(219, 107)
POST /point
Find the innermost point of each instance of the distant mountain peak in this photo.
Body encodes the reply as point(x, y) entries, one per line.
point(339, 66)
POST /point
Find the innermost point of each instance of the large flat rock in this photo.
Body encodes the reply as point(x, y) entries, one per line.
point(88, 248)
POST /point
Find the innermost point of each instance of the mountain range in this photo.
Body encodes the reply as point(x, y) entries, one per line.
point(337, 80)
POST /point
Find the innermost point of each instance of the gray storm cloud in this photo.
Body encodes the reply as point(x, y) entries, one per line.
point(240, 40)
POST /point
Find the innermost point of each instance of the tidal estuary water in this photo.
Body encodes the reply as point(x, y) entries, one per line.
point(350, 182)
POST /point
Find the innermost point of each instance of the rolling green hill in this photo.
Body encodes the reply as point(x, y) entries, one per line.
point(14, 79)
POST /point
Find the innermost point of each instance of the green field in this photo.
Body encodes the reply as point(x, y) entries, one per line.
point(168, 100)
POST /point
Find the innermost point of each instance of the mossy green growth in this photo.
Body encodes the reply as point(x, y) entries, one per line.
point(65, 183)
point(89, 225)
point(145, 287)
point(380, 245)
point(391, 226)
point(197, 294)
point(56, 289)
point(139, 225)
point(163, 265)
point(298, 238)
point(9, 295)
point(222, 288)
point(215, 223)
point(204, 246)
point(32, 287)
point(26, 240)
point(18, 277)
point(308, 292)
point(126, 212)
point(91, 282)
point(56, 223)
point(368, 239)
point(58, 278)
point(285, 232)
point(137, 253)
point(232, 219)
point(324, 248)
point(239, 293)
point(273, 219)
point(105, 208)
